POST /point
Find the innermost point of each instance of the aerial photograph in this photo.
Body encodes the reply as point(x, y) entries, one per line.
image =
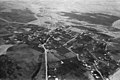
point(59, 39)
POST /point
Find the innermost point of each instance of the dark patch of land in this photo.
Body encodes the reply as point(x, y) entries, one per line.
point(17, 15)
point(3, 23)
point(1, 8)
point(93, 18)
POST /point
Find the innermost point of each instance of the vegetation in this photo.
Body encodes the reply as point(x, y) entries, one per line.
point(70, 53)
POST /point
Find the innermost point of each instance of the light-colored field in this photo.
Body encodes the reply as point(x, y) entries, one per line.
point(115, 76)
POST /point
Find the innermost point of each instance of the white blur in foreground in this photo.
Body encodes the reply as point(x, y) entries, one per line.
point(56, 79)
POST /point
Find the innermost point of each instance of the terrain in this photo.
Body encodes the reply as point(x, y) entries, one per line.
point(59, 40)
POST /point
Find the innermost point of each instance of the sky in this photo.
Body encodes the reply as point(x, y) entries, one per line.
point(80, 5)
point(109, 6)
